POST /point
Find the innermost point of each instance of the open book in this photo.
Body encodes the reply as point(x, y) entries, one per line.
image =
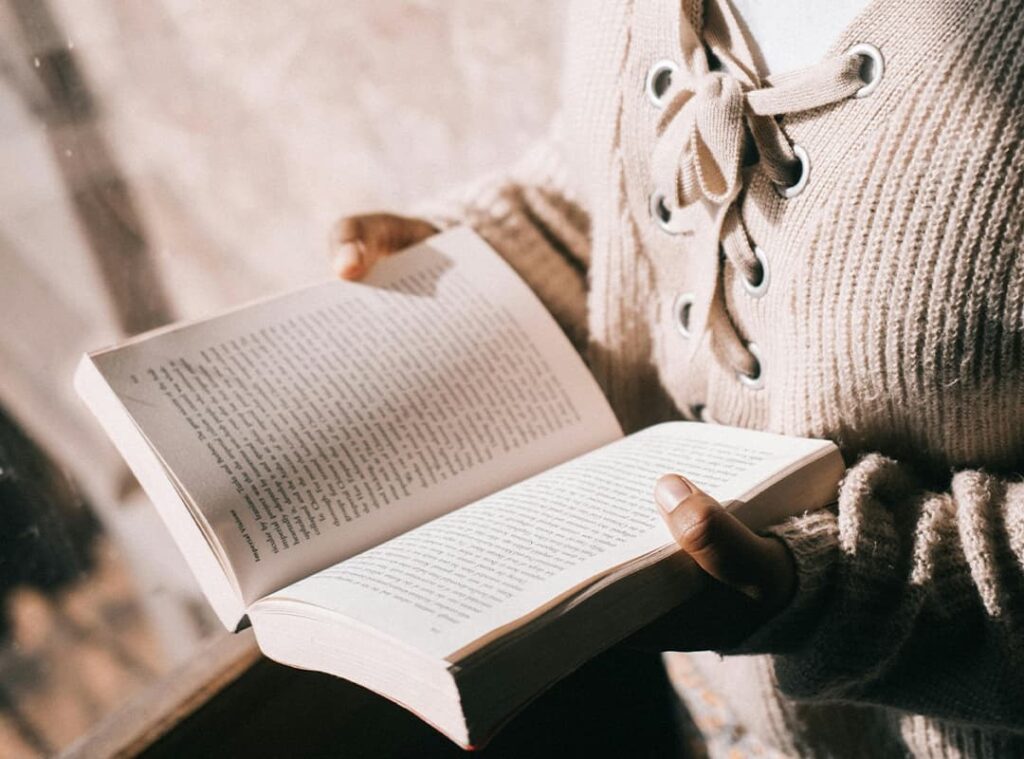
point(415, 484)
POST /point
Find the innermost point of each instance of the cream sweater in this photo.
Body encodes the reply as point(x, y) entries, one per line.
point(891, 321)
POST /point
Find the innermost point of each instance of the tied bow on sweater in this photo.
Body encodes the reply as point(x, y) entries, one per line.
point(709, 123)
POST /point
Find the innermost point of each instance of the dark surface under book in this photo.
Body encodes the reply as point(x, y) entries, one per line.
point(619, 704)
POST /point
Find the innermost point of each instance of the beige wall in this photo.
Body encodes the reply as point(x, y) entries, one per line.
point(247, 126)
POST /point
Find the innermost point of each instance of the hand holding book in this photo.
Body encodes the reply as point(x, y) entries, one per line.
point(747, 578)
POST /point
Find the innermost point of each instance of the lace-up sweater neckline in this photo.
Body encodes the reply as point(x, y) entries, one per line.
point(709, 121)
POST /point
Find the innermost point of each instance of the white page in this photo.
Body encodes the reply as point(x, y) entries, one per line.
point(449, 583)
point(310, 427)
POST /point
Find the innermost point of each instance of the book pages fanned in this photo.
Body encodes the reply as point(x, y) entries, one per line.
point(309, 427)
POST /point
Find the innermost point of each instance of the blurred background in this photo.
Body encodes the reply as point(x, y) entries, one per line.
point(160, 161)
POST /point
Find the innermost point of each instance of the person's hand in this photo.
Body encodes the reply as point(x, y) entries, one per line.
point(358, 242)
point(748, 578)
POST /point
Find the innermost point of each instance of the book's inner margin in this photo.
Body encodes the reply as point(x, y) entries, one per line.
point(200, 519)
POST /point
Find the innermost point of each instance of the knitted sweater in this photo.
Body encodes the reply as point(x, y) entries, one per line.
point(886, 302)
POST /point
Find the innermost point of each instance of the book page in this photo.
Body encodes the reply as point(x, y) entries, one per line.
point(449, 583)
point(312, 426)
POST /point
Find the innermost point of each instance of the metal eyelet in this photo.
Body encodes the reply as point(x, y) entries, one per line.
point(805, 172)
point(661, 213)
point(714, 62)
point(659, 79)
point(760, 287)
point(753, 381)
point(700, 412)
point(681, 308)
point(872, 68)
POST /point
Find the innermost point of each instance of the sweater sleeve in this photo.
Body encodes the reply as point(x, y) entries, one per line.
point(531, 215)
point(907, 598)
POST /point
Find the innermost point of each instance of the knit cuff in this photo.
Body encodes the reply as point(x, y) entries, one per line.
point(813, 541)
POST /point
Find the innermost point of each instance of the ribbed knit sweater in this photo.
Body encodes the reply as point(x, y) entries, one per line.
point(891, 321)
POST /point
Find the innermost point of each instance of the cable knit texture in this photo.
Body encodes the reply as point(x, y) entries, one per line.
point(892, 323)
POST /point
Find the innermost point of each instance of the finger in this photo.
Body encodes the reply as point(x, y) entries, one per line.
point(347, 247)
point(721, 545)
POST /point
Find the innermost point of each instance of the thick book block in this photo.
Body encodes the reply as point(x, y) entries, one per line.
point(414, 483)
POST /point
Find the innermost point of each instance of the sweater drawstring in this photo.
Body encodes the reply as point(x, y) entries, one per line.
point(708, 124)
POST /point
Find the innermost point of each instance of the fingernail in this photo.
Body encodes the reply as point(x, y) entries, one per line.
point(348, 260)
point(671, 491)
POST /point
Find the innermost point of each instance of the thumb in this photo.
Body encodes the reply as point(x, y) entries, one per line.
point(723, 546)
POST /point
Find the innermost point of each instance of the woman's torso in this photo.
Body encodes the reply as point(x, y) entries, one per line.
point(893, 318)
